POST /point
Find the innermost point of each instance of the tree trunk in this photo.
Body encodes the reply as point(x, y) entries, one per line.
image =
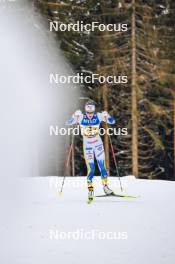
point(134, 97)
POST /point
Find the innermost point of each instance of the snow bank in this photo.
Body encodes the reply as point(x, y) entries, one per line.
point(34, 217)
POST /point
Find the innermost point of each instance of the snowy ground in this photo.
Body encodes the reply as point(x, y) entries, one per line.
point(33, 215)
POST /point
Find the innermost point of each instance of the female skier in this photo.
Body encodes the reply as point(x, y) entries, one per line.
point(92, 144)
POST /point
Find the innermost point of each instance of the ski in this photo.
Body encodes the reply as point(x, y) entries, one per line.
point(117, 195)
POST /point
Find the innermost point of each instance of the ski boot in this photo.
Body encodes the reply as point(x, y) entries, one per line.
point(90, 194)
point(107, 190)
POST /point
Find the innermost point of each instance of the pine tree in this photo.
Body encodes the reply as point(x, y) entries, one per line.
point(145, 54)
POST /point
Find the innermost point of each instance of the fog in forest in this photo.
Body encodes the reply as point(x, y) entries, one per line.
point(29, 103)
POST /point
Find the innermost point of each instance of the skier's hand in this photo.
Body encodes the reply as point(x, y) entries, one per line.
point(77, 113)
point(105, 114)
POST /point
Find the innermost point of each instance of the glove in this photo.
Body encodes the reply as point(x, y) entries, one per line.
point(105, 114)
point(77, 113)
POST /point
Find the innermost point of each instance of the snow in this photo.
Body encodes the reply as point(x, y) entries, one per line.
point(32, 213)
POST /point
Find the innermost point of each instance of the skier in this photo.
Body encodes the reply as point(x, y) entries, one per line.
point(92, 144)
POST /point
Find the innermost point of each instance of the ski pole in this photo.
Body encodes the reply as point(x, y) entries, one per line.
point(67, 164)
point(115, 162)
point(68, 159)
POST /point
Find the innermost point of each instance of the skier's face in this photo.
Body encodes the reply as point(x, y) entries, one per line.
point(89, 114)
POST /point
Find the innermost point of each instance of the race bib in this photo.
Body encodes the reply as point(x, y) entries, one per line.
point(89, 131)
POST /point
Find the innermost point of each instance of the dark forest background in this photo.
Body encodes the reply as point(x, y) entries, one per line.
point(145, 53)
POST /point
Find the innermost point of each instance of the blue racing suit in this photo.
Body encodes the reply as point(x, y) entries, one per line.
point(92, 143)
